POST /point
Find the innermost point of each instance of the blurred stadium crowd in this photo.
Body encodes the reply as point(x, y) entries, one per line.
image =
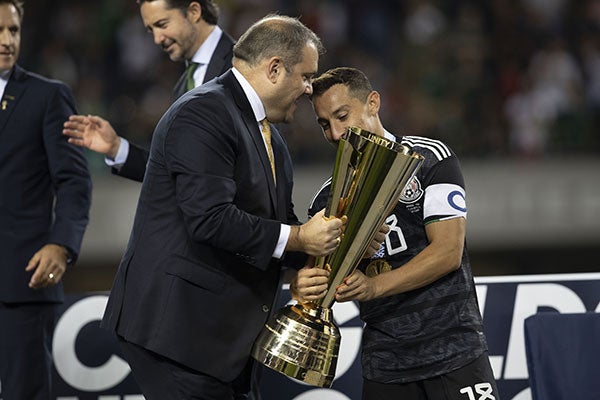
point(492, 78)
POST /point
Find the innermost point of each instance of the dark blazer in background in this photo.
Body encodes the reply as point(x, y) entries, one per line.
point(37, 167)
point(197, 280)
point(135, 164)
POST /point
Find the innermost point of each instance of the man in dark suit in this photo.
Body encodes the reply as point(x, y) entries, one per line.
point(45, 192)
point(187, 31)
point(214, 220)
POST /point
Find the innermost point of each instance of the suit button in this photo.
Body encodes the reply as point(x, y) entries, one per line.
point(265, 308)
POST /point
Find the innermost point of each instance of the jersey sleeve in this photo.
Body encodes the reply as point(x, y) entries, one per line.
point(319, 200)
point(445, 196)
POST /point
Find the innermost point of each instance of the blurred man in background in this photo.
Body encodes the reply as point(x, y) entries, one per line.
point(187, 31)
point(45, 194)
point(423, 336)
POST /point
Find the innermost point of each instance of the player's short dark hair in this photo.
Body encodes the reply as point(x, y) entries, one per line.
point(357, 82)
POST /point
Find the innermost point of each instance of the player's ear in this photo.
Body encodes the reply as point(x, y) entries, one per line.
point(373, 102)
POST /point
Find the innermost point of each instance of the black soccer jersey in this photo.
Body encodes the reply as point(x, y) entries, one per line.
point(437, 328)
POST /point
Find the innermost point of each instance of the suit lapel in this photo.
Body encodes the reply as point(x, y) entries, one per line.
point(252, 127)
point(179, 89)
point(259, 144)
point(279, 152)
point(221, 58)
point(12, 94)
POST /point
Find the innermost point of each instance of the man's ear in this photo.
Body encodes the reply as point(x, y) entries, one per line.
point(373, 102)
point(194, 12)
point(274, 69)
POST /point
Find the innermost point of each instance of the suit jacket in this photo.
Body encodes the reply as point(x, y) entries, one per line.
point(197, 280)
point(45, 187)
point(135, 164)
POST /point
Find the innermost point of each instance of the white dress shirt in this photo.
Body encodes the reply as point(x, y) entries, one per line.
point(4, 81)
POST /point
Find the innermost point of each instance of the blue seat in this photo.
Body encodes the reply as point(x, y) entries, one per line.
point(563, 356)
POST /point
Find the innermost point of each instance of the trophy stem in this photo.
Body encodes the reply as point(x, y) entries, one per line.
point(302, 342)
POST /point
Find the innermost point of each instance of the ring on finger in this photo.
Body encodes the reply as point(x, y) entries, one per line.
point(51, 276)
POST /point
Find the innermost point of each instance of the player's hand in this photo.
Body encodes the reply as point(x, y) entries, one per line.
point(378, 239)
point(357, 286)
point(309, 284)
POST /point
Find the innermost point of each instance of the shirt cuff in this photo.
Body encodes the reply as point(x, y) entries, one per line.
point(121, 156)
point(284, 235)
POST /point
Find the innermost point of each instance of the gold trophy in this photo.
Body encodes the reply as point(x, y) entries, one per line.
point(370, 172)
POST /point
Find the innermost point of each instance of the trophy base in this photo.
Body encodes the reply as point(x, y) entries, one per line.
point(302, 342)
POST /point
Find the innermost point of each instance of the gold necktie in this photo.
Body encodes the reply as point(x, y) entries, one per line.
point(266, 131)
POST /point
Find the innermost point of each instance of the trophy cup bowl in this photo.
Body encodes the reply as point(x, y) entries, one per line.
point(369, 174)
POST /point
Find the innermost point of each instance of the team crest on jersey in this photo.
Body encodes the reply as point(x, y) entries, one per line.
point(412, 191)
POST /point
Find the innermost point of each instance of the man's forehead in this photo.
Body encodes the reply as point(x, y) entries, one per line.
point(335, 97)
point(309, 62)
point(9, 9)
point(154, 11)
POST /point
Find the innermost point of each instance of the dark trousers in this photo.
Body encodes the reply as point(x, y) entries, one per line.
point(26, 331)
point(473, 381)
point(161, 378)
